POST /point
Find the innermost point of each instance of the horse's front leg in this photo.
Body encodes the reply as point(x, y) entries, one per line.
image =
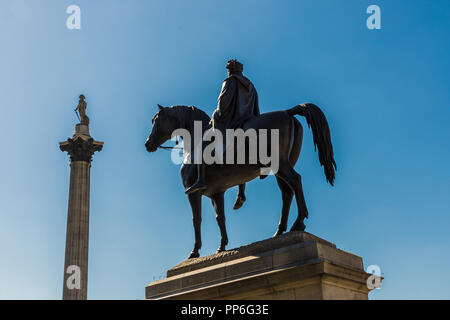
point(195, 200)
point(218, 204)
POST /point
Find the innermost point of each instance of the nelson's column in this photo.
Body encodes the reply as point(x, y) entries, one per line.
point(80, 148)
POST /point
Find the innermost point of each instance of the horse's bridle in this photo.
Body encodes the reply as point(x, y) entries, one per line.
point(169, 148)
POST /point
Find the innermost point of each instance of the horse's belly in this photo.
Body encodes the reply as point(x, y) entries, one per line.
point(224, 177)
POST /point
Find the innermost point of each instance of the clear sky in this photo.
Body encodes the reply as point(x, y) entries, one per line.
point(385, 94)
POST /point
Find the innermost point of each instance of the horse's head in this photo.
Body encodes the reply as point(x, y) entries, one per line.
point(164, 123)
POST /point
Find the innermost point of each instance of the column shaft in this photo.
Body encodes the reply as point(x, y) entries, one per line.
point(77, 236)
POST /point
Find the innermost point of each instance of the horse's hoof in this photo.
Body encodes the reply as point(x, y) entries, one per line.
point(219, 250)
point(278, 233)
point(239, 202)
point(194, 255)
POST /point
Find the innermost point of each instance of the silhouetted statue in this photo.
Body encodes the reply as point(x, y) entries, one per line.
point(217, 178)
point(81, 108)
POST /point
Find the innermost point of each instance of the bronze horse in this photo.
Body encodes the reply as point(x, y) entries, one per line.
point(220, 177)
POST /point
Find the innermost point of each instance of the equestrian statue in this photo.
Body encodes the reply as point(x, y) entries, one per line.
point(238, 108)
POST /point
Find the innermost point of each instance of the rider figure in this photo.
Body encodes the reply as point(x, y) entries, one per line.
point(237, 103)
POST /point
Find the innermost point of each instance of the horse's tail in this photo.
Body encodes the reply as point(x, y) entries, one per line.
point(321, 134)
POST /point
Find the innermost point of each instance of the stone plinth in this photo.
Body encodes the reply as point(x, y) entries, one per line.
point(294, 266)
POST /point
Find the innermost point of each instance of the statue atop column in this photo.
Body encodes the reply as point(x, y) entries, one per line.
point(81, 146)
point(81, 108)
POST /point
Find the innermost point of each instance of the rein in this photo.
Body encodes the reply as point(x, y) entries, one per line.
point(169, 148)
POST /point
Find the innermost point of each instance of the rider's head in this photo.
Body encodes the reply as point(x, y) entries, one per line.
point(234, 66)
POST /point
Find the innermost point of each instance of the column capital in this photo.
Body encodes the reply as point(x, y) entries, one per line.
point(81, 147)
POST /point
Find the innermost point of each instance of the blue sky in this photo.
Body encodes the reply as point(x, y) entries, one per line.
point(384, 92)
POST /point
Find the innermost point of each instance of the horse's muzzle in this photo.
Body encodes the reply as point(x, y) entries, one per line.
point(149, 146)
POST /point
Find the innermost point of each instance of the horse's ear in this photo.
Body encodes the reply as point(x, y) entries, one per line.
point(160, 107)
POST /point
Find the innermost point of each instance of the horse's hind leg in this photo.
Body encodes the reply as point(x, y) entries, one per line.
point(299, 225)
point(195, 200)
point(294, 180)
point(286, 194)
point(218, 204)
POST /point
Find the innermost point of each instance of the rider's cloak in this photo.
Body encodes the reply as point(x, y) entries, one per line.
point(237, 103)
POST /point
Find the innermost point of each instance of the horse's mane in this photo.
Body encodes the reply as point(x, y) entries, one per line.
point(198, 113)
point(188, 114)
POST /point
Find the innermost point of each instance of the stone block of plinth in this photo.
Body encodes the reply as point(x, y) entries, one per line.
point(294, 266)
